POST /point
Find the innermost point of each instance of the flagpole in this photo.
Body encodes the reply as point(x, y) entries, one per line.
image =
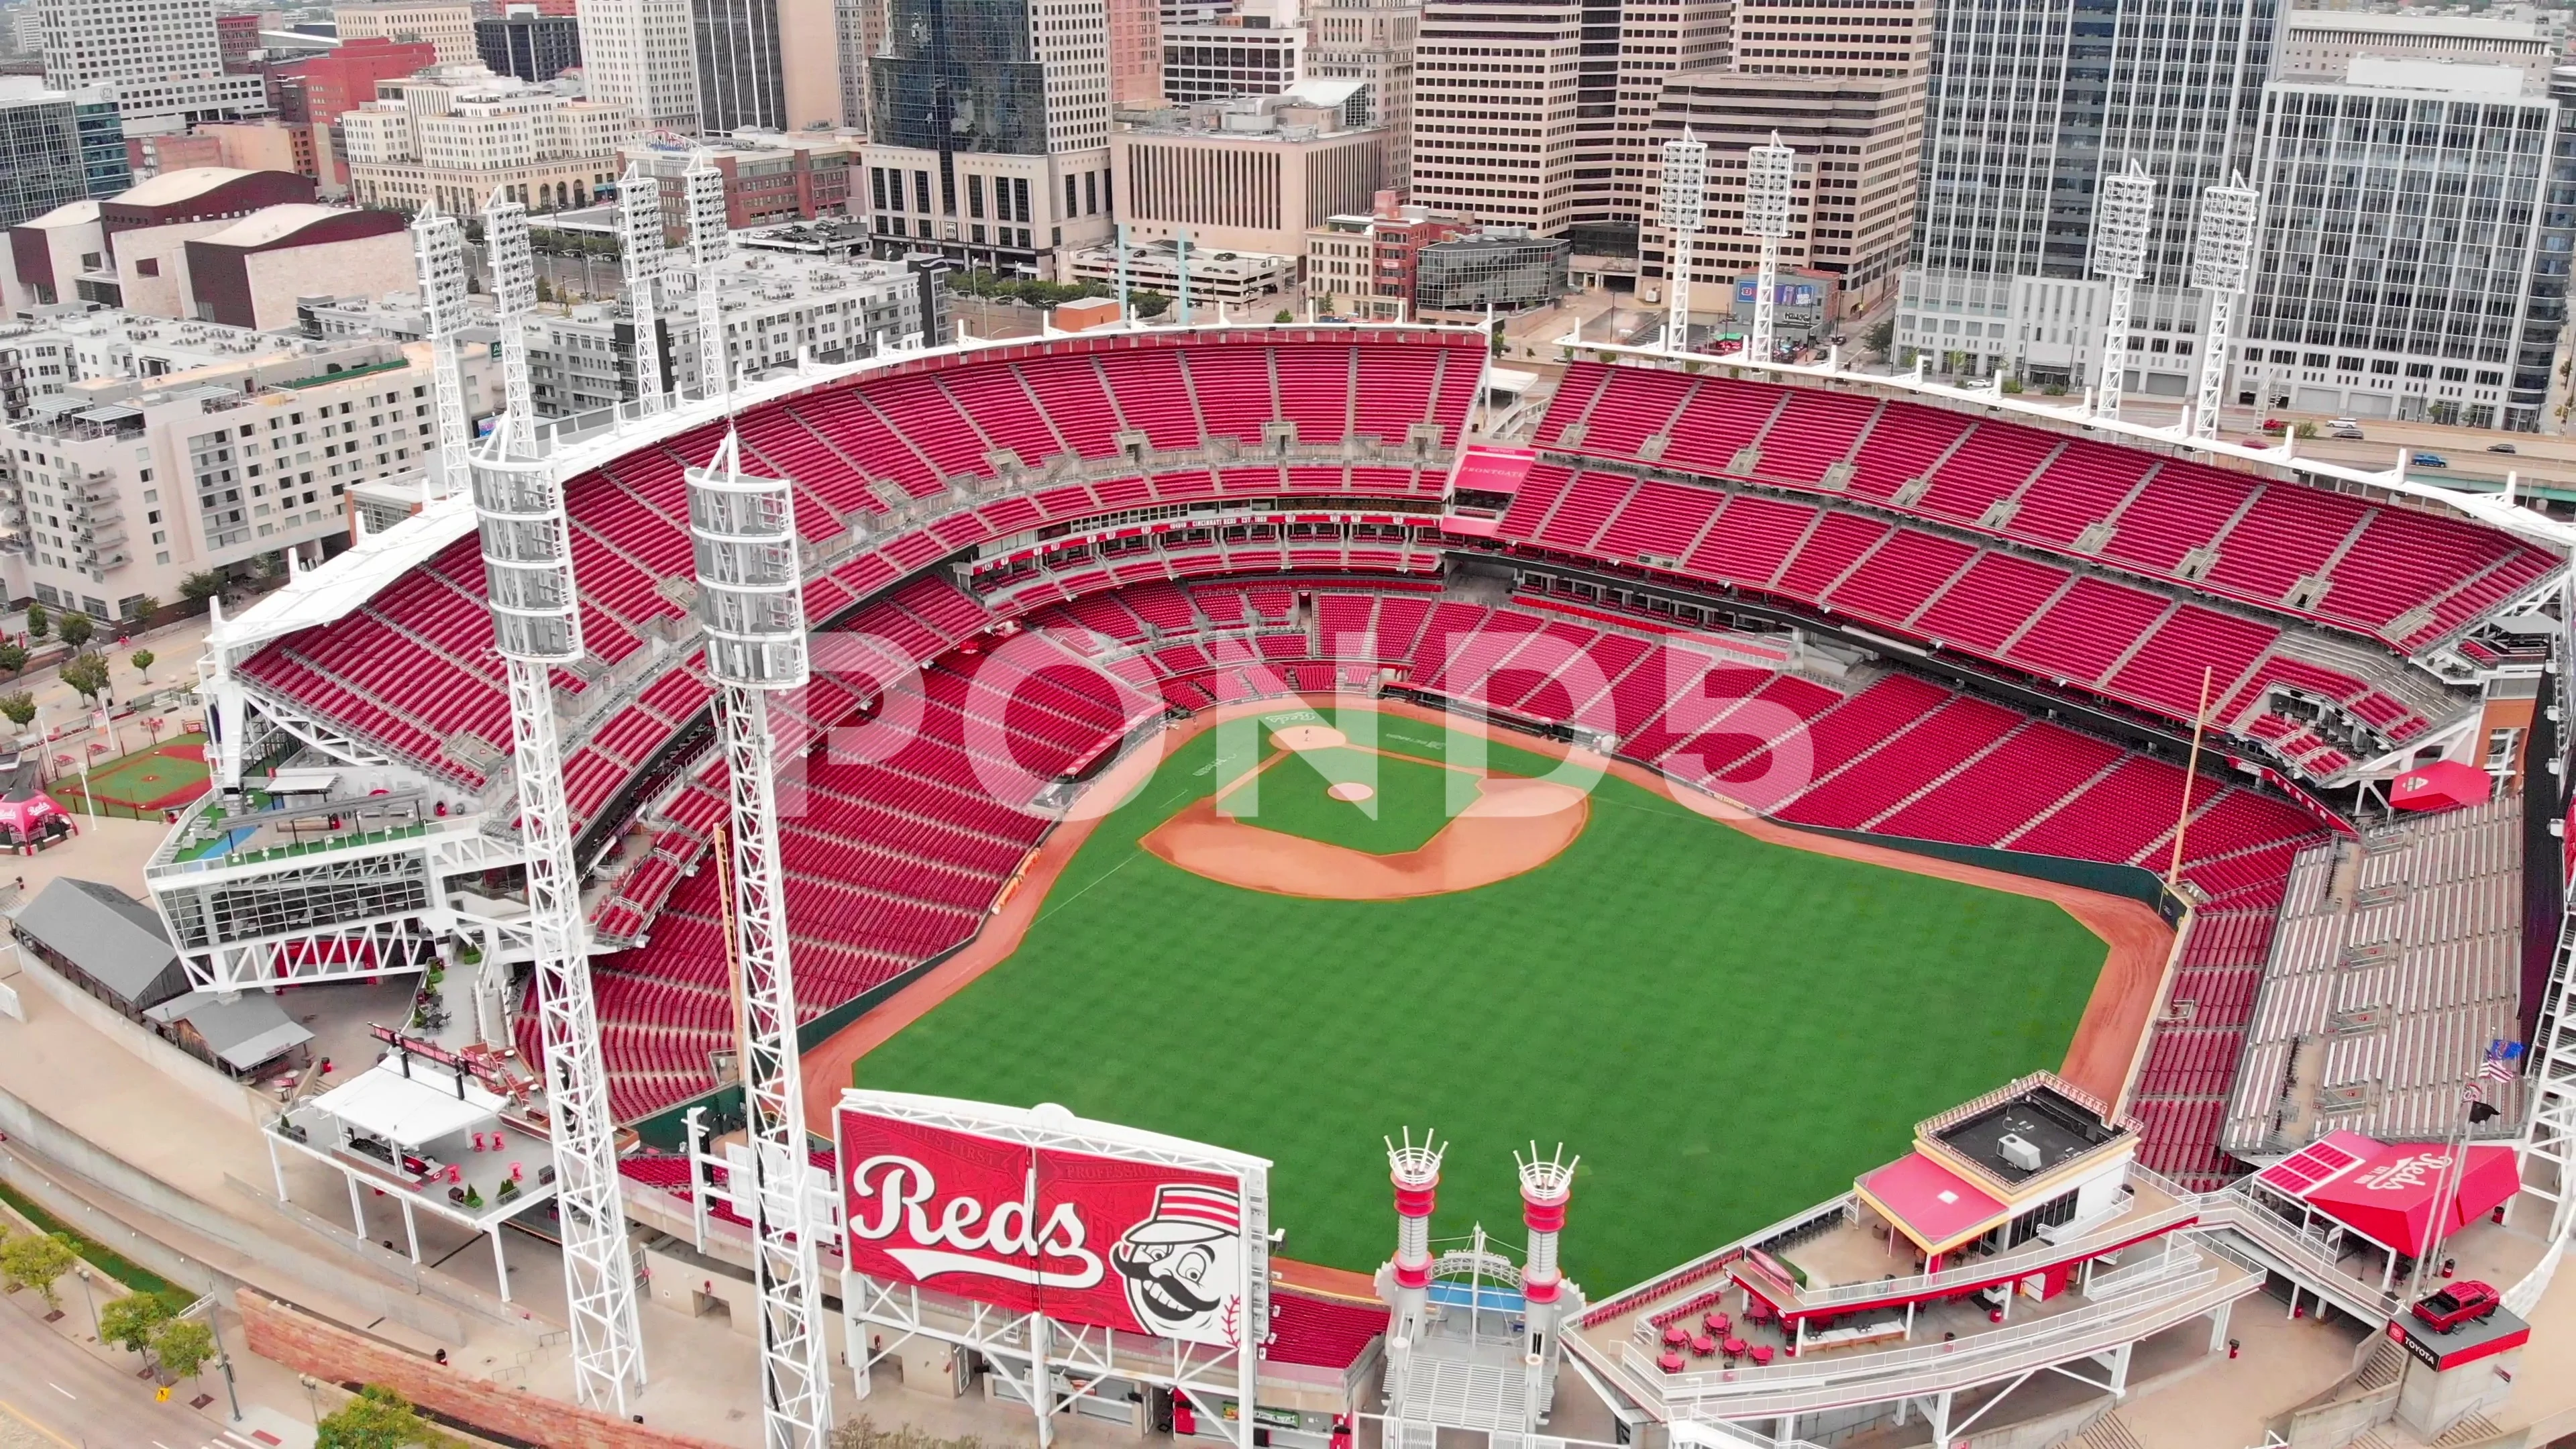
point(2445, 1187)
point(2191, 772)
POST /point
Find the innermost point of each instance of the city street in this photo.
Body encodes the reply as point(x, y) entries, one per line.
point(72, 1395)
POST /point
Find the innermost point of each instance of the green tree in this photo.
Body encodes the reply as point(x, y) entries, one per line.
point(378, 1418)
point(130, 1320)
point(86, 673)
point(35, 1261)
point(1283, 315)
point(143, 661)
point(37, 621)
point(144, 607)
point(76, 629)
point(1148, 304)
point(198, 587)
point(182, 1346)
point(19, 706)
point(13, 657)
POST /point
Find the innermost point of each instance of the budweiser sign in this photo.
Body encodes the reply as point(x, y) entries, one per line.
point(1108, 1241)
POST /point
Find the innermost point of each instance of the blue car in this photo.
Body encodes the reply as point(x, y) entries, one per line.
point(2431, 460)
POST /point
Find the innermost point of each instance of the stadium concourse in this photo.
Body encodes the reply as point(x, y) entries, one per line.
point(1162, 521)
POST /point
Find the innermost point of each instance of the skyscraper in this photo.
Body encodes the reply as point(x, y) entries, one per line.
point(162, 56)
point(1371, 42)
point(641, 55)
point(1539, 112)
point(2030, 103)
point(767, 63)
point(988, 130)
point(1843, 87)
point(2400, 269)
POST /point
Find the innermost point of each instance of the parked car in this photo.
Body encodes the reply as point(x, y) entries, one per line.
point(2431, 460)
point(2502, 448)
point(2275, 425)
point(2465, 1301)
point(2345, 431)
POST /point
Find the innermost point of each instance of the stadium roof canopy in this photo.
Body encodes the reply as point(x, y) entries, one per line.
point(2386, 1191)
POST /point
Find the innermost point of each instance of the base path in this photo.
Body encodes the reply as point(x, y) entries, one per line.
point(2109, 1041)
point(1513, 826)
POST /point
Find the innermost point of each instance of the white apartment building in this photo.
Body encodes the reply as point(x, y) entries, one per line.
point(459, 132)
point(1213, 277)
point(446, 24)
point(640, 56)
point(1370, 42)
point(161, 56)
point(117, 491)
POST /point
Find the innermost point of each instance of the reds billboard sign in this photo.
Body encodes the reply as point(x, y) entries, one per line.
point(1005, 1217)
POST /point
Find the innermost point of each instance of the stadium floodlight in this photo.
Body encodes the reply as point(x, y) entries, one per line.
point(1415, 1168)
point(513, 265)
point(1682, 196)
point(2120, 222)
point(752, 614)
point(1770, 197)
point(1547, 1184)
point(536, 625)
point(639, 227)
point(438, 248)
point(710, 242)
point(2222, 259)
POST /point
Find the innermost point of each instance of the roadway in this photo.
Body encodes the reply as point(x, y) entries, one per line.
point(75, 1398)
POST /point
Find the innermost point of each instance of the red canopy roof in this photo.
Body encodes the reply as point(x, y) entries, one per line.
point(1935, 1206)
point(2441, 785)
point(1489, 469)
point(2385, 1191)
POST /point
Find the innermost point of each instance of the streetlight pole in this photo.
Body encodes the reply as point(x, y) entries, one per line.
point(88, 1296)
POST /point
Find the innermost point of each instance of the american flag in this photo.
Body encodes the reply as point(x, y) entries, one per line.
point(2501, 1056)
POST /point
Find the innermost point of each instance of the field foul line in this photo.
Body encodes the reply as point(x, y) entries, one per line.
point(1086, 889)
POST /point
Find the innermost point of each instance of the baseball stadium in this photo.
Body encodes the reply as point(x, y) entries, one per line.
point(1281, 738)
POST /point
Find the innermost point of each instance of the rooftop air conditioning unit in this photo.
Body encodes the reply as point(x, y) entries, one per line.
point(2018, 1150)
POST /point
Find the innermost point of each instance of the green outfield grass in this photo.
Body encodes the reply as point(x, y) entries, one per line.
point(1727, 1031)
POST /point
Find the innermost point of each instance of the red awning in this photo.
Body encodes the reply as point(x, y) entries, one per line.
point(1488, 469)
point(2385, 1192)
point(1928, 1202)
point(2441, 785)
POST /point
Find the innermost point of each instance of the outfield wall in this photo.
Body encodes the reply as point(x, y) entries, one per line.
point(2132, 882)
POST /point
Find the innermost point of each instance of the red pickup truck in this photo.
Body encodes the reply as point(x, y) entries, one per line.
point(2463, 1302)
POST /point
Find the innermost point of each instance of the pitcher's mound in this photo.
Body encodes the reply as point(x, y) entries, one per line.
point(1309, 737)
point(1512, 827)
point(1352, 791)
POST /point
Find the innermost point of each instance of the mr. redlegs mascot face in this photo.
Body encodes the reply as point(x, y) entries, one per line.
point(1183, 1267)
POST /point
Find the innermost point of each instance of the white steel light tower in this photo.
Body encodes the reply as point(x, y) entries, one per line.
point(1683, 197)
point(536, 623)
point(639, 225)
point(1770, 195)
point(2222, 258)
point(514, 295)
point(1547, 1184)
point(710, 242)
point(438, 247)
point(1415, 1169)
point(2120, 253)
point(753, 615)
